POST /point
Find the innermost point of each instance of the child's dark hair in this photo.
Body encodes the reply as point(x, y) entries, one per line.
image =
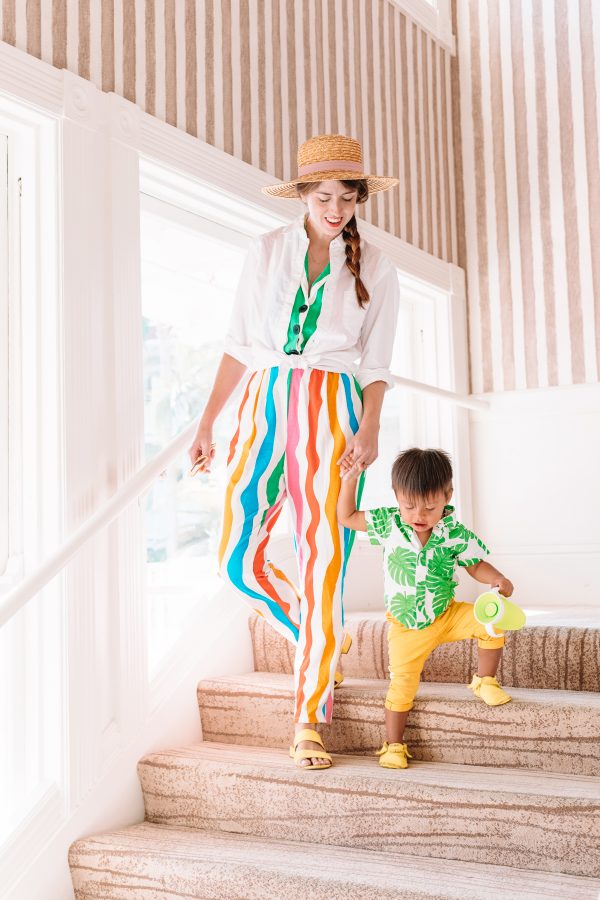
point(421, 473)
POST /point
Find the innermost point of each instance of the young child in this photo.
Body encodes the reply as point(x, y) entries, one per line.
point(422, 543)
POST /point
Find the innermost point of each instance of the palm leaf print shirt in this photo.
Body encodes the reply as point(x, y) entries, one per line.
point(419, 582)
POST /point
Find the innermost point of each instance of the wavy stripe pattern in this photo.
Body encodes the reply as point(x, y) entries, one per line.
point(292, 428)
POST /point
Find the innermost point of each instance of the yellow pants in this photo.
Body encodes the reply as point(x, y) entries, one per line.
point(409, 649)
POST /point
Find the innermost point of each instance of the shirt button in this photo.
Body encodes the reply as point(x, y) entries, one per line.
point(296, 329)
point(303, 308)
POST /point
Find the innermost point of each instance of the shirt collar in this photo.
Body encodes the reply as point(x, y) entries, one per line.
point(443, 525)
point(446, 521)
point(337, 247)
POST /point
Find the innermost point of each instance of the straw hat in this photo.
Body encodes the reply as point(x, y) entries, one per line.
point(332, 157)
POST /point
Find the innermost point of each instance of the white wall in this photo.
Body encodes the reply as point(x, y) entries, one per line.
point(536, 492)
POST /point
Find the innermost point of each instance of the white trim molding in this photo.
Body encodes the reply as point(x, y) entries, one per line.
point(434, 17)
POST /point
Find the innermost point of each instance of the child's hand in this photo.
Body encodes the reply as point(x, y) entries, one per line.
point(350, 472)
point(504, 586)
point(348, 468)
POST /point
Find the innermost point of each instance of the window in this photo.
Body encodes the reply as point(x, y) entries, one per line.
point(194, 239)
point(421, 353)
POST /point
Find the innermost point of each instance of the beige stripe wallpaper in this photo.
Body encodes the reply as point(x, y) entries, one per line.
point(497, 150)
point(529, 111)
point(256, 77)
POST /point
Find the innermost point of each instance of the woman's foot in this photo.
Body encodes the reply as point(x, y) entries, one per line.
point(317, 762)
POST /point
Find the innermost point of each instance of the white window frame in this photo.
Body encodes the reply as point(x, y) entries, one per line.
point(5, 356)
point(34, 462)
point(434, 17)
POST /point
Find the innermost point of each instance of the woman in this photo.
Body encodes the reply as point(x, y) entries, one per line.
point(313, 299)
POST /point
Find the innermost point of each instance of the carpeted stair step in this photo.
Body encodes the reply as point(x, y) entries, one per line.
point(556, 731)
point(552, 658)
point(476, 814)
point(152, 862)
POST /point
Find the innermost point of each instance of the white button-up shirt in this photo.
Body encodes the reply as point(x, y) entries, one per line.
point(347, 339)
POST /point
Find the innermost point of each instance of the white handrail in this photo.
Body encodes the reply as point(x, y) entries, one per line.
point(126, 494)
point(16, 599)
point(441, 393)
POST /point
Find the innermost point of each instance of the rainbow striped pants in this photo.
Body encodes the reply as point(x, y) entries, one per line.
point(293, 425)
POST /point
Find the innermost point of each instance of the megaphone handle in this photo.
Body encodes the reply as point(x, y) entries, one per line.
point(490, 630)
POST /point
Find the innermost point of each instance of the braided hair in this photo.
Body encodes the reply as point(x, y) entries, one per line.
point(350, 235)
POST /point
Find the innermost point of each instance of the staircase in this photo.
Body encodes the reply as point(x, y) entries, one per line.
point(498, 803)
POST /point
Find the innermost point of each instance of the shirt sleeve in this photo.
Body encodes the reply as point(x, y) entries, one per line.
point(379, 523)
point(237, 340)
point(472, 551)
point(379, 330)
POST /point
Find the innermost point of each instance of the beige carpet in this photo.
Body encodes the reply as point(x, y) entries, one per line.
point(498, 803)
point(520, 818)
point(151, 862)
point(557, 731)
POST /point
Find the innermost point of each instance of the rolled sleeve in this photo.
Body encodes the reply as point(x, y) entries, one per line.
point(473, 551)
point(379, 523)
point(238, 341)
point(379, 330)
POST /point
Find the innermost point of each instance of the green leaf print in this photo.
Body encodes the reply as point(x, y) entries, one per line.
point(401, 566)
point(457, 530)
point(442, 563)
point(470, 562)
point(381, 522)
point(403, 610)
point(442, 588)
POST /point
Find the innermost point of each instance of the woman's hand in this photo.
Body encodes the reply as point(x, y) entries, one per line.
point(202, 451)
point(361, 450)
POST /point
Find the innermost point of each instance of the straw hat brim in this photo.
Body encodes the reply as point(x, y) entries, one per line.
point(287, 190)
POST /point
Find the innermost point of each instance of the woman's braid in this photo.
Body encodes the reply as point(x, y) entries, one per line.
point(352, 241)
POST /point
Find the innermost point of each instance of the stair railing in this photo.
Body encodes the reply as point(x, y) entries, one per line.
point(138, 484)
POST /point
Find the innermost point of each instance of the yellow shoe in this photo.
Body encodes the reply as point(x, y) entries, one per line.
point(489, 690)
point(307, 734)
point(346, 644)
point(394, 756)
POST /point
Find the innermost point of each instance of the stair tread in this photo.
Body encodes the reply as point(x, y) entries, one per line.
point(282, 682)
point(539, 656)
point(121, 853)
point(488, 779)
point(582, 616)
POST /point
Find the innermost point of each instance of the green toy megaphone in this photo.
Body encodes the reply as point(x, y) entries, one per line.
point(492, 609)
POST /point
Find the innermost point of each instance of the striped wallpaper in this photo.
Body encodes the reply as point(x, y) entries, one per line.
point(256, 77)
point(530, 112)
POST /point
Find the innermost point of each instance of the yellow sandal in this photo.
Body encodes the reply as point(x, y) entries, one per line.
point(347, 643)
point(298, 755)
